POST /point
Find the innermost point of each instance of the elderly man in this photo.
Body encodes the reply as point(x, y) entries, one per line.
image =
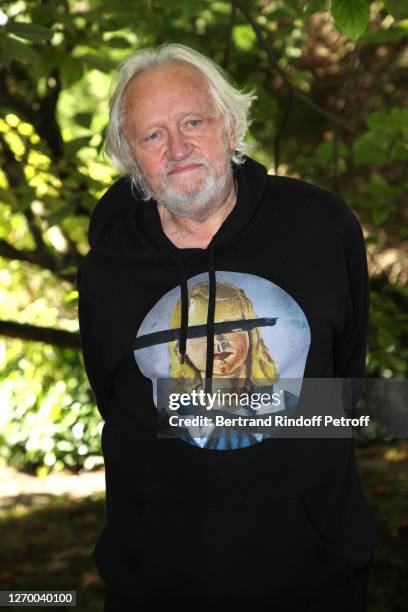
point(251, 521)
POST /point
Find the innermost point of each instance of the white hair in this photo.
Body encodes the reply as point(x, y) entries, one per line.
point(233, 104)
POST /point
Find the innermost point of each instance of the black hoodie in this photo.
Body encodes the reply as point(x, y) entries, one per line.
point(238, 519)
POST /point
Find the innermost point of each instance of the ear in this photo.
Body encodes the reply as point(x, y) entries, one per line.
point(232, 141)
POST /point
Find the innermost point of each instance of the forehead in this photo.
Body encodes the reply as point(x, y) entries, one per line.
point(167, 90)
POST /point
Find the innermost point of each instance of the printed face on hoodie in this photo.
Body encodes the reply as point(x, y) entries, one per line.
point(177, 137)
point(230, 353)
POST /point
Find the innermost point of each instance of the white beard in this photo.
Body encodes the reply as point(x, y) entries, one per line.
point(188, 203)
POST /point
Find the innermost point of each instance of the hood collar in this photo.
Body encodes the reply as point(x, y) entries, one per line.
point(123, 223)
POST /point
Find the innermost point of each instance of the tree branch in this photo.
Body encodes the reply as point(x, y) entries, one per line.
point(42, 249)
point(47, 125)
point(56, 337)
point(10, 252)
point(15, 177)
point(33, 257)
point(227, 52)
point(281, 129)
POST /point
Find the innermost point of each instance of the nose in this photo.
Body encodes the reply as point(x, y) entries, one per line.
point(220, 344)
point(178, 146)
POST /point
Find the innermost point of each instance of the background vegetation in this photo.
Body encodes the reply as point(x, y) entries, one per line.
point(331, 80)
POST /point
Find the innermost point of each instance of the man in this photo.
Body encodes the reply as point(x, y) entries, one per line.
point(283, 523)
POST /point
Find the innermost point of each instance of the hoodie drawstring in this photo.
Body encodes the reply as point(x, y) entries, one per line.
point(210, 312)
point(184, 305)
point(210, 318)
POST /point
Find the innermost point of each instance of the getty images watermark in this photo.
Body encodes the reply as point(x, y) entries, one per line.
point(254, 401)
point(324, 407)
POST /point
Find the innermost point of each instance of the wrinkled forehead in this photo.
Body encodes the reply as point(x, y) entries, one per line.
point(174, 81)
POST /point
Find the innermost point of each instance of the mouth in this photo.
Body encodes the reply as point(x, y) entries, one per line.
point(223, 355)
point(186, 168)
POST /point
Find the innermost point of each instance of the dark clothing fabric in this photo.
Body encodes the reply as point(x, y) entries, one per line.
point(278, 522)
point(351, 596)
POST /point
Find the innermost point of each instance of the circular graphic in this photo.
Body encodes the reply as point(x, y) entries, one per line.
point(261, 342)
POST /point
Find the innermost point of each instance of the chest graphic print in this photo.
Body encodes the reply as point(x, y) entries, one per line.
point(261, 341)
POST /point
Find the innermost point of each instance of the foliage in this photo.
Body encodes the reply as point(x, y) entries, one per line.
point(351, 16)
point(389, 351)
point(51, 421)
point(331, 109)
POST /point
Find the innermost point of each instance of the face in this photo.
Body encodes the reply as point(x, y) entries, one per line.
point(230, 352)
point(177, 138)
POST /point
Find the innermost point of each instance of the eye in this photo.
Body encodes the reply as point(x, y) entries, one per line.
point(194, 122)
point(152, 137)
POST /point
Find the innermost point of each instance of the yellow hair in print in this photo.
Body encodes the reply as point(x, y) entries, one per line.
point(231, 305)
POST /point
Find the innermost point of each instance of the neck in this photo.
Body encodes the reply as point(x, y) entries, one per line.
point(197, 232)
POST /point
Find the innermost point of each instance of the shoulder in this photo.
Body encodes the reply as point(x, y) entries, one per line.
point(116, 194)
point(119, 188)
point(310, 202)
point(117, 197)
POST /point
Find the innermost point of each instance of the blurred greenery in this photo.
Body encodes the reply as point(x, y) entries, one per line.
point(331, 80)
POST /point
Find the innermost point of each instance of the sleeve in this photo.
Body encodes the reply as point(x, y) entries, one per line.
point(350, 347)
point(92, 353)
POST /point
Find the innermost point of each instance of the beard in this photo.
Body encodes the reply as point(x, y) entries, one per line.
point(193, 198)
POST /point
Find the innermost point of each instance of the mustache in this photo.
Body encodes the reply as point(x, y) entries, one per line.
point(170, 168)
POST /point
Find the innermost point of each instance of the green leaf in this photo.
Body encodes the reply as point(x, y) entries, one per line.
point(328, 150)
point(101, 145)
point(60, 214)
point(351, 16)
point(399, 151)
point(397, 8)
point(118, 42)
point(399, 117)
point(222, 8)
point(278, 14)
point(372, 239)
point(186, 9)
point(302, 76)
point(104, 64)
point(380, 121)
point(314, 6)
point(382, 192)
point(244, 37)
point(73, 146)
point(292, 7)
point(29, 31)
point(24, 197)
point(368, 150)
point(84, 119)
point(386, 138)
point(379, 215)
point(72, 296)
point(7, 197)
point(72, 70)
point(383, 35)
point(13, 49)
